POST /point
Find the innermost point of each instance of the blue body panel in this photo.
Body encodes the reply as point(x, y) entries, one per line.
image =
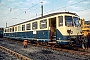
point(59, 36)
point(41, 36)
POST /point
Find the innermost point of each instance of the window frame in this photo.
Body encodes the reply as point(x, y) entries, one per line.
point(19, 28)
point(16, 28)
point(76, 21)
point(34, 24)
point(43, 21)
point(28, 26)
point(60, 20)
point(71, 21)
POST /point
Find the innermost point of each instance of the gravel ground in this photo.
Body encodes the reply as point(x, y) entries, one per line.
point(6, 56)
point(38, 53)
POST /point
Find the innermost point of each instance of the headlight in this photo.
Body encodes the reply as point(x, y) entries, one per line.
point(68, 31)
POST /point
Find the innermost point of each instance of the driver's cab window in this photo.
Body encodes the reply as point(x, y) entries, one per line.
point(76, 21)
point(68, 21)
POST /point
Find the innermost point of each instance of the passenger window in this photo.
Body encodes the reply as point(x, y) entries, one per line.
point(7, 30)
point(60, 20)
point(34, 25)
point(15, 28)
point(28, 26)
point(19, 28)
point(43, 24)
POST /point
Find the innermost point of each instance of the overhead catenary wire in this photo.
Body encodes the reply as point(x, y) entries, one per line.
point(83, 10)
point(36, 8)
point(28, 9)
point(61, 8)
point(48, 11)
point(20, 13)
point(25, 11)
point(10, 9)
point(33, 6)
point(66, 6)
point(76, 11)
point(45, 12)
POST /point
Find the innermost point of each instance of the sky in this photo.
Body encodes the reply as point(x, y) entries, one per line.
point(17, 11)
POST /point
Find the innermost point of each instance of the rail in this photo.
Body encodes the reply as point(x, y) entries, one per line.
point(21, 57)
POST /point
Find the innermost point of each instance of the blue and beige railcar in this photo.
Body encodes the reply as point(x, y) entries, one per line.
point(61, 27)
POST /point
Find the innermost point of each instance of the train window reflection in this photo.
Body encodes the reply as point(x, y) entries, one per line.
point(28, 26)
point(34, 25)
point(76, 21)
point(15, 28)
point(43, 24)
point(68, 21)
point(19, 28)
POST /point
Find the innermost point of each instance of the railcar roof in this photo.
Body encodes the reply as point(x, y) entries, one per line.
point(46, 16)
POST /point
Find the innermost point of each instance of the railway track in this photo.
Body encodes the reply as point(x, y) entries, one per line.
point(6, 56)
point(21, 57)
point(73, 52)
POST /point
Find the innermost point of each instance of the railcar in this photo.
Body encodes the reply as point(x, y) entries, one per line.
point(60, 27)
point(1, 32)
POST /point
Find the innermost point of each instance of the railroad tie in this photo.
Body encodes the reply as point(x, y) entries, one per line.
point(15, 53)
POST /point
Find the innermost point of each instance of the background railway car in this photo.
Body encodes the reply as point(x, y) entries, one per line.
point(61, 28)
point(1, 32)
